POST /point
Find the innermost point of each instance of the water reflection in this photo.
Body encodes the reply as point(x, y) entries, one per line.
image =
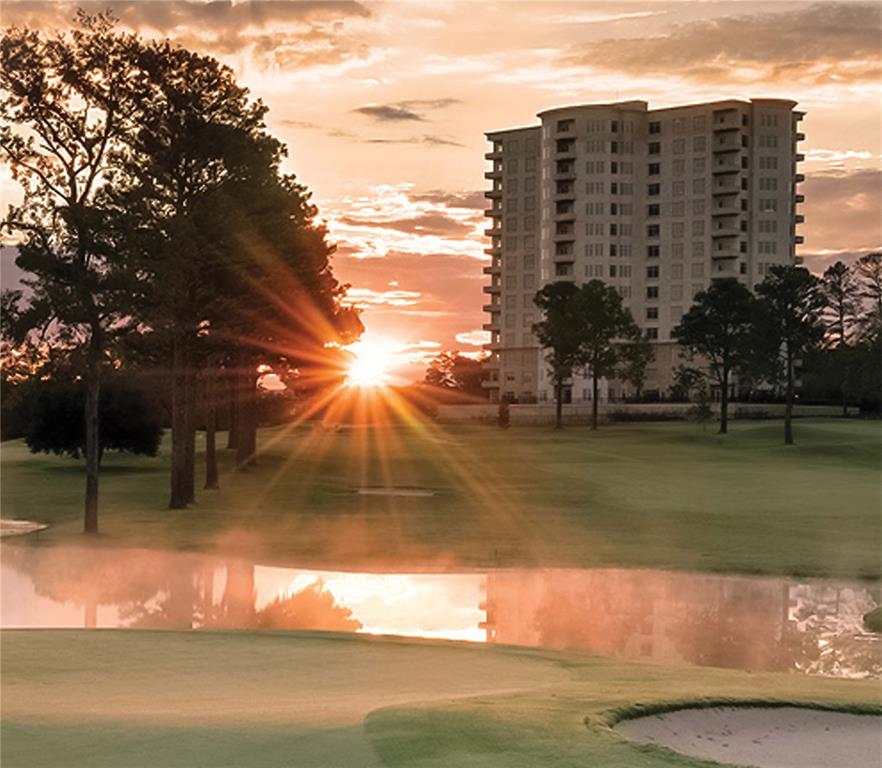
point(738, 622)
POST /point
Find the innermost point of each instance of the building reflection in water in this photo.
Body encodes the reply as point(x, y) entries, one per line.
point(760, 624)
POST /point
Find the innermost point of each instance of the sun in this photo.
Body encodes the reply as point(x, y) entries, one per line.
point(373, 361)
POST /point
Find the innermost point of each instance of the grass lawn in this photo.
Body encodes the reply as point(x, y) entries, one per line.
point(124, 698)
point(666, 495)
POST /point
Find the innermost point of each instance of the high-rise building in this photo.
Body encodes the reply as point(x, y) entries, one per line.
point(654, 202)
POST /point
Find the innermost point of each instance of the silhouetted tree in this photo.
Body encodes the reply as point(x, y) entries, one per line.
point(717, 328)
point(841, 302)
point(64, 106)
point(636, 355)
point(789, 316)
point(127, 420)
point(868, 275)
point(561, 334)
point(610, 336)
point(451, 370)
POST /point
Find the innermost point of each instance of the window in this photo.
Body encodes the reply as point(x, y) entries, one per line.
point(654, 169)
point(652, 313)
point(653, 189)
point(678, 188)
point(563, 270)
point(613, 167)
point(677, 250)
point(768, 184)
point(511, 281)
point(698, 186)
point(699, 143)
point(652, 333)
point(652, 210)
point(511, 166)
point(768, 162)
point(530, 164)
point(768, 204)
point(679, 167)
point(679, 146)
point(678, 208)
point(653, 230)
point(676, 271)
point(676, 293)
point(614, 188)
point(697, 227)
point(614, 147)
point(698, 123)
point(698, 269)
point(613, 250)
point(653, 251)
point(655, 127)
point(742, 268)
point(612, 270)
point(698, 164)
point(652, 272)
point(654, 147)
point(768, 141)
point(768, 225)
point(698, 207)
point(564, 126)
point(678, 230)
point(651, 291)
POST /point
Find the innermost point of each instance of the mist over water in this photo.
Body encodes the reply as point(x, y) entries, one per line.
point(761, 624)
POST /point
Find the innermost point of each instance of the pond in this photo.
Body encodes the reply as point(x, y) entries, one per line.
point(759, 624)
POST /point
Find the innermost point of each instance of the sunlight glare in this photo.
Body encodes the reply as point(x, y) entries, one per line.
point(374, 360)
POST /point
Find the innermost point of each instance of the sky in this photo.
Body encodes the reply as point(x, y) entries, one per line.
point(384, 107)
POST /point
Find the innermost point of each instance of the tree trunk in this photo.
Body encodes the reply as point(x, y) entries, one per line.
point(594, 388)
point(93, 440)
point(788, 401)
point(246, 438)
point(179, 497)
point(724, 401)
point(211, 476)
point(232, 380)
point(190, 445)
point(558, 403)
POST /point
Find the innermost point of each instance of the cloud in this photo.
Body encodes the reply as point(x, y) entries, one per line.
point(365, 297)
point(438, 141)
point(404, 111)
point(474, 338)
point(424, 224)
point(822, 43)
point(471, 200)
point(388, 113)
point(842, 212)
point(167, 16)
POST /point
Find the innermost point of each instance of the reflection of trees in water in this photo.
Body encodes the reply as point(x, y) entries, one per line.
point(735, 622)
point(310, 608)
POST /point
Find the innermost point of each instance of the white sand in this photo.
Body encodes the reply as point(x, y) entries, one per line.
point(18, 527)
point(767, 737)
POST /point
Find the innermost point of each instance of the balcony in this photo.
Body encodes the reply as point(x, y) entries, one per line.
point(565, 148)
point(495, 154)
point(493, 194)
point(567, 215)
point(492, 269)
point(495, 232)
point(491, 307)
point(798, 136)
point(726, 228)
point(798, 239)
point(799, 178)
point(799, 219)
point(494, 211)
point(799, 198)
point(726, 142)
point(798, 260)
point(492, 326)
point(719, 188)
point(799, 157)
point(492, 288)
point(726, 252)
point(493, 250)
point(726, 206)
point(726, 120)
point(726, 164)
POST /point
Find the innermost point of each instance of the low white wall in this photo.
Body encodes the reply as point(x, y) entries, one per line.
point(580, 413)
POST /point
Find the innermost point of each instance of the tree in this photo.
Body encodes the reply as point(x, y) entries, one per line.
point(868, 274)
point(128, 422)
point(64, 102)
point(451, 370)
point(561, 333)
point(636, 355)
point(841, 302)
point(605, 324)
point(789, 316)
point(717, 327)
point(701, 410)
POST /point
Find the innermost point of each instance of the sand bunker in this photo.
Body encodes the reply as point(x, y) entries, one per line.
point(767, 737)
point(19, 527)
point(394, 491)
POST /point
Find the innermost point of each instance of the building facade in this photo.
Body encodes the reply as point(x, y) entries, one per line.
point(656, 203)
